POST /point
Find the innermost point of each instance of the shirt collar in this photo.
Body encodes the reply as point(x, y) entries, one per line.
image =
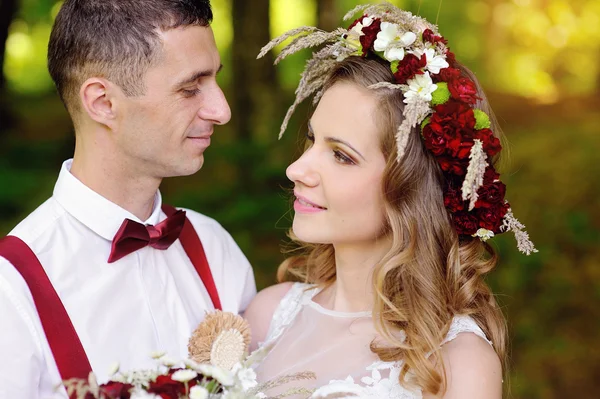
point(93, 210)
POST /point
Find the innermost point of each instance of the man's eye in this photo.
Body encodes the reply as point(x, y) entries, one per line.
point(191, 92)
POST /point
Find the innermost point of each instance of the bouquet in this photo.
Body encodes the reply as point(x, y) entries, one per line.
point(218, 367)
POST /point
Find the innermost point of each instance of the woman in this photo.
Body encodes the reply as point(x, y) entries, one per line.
point(395, 197)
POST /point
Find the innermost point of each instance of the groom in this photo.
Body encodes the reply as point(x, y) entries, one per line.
point(103, 271)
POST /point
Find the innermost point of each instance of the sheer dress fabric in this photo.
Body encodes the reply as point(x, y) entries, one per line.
point(304, 336)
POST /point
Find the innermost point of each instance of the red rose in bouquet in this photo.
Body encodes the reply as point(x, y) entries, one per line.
point(410, 66)
point(117, 390)
point(167, 388)
point(465, 223)
point(463, 89)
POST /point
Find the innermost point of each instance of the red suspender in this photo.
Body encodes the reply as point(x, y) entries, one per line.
point(195, 251)
point(68, 352)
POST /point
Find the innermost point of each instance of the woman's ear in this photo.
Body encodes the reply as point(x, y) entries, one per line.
point(98, 102)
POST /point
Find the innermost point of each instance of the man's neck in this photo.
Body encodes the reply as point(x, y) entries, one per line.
point(117, 182)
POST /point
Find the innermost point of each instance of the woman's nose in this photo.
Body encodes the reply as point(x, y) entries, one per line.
point(303, 171)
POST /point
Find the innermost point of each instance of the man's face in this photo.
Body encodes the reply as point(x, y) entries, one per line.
point(165, 131)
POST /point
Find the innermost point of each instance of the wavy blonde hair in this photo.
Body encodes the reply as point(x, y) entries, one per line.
point(429, 274)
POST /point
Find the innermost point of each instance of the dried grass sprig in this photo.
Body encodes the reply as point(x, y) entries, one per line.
point(314, 39)
point(414, 113)
point(475, 172)
point(510, 223)
point(280, 39)
point(284, 379)
point(387, 85)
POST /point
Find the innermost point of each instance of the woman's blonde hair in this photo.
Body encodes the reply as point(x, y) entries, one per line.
point(430, 273)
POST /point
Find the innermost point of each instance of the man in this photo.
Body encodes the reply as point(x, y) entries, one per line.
point(98, 274)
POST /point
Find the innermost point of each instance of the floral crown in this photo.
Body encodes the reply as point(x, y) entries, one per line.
point(438, 97)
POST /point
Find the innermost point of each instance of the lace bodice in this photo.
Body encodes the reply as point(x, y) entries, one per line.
point(304, 336)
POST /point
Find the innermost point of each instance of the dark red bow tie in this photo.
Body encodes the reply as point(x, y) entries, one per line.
point(133, 235)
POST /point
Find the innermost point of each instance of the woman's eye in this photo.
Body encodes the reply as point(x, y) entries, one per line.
point(343, 158)
point(310, 136)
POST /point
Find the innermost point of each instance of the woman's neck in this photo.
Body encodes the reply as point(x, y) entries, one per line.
point(353, 288)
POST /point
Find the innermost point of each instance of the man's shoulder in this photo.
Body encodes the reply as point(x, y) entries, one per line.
point(201, 220)
point(42, 220)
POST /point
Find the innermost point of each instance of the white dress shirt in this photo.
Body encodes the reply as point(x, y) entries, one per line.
point(150, 300)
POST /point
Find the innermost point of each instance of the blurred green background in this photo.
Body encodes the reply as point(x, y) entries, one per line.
point(539, 63)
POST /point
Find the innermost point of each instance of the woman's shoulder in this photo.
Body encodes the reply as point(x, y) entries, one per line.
point(472, 367)
point(262, 308)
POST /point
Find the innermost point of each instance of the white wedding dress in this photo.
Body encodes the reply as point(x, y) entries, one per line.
point(304, 336)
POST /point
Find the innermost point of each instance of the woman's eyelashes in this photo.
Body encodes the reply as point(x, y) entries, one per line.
point(338, 154)
point(342, 158)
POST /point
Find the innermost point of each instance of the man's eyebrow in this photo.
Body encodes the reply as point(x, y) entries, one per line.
point(336, 140)
point(198, 75)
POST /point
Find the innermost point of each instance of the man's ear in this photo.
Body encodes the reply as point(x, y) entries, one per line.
point(97, 97)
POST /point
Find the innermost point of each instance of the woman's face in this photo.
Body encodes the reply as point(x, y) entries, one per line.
point(338, 179)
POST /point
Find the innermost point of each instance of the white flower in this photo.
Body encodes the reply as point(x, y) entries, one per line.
point(224, 377)
point(391, 42)
point(167, 361)
point(484, 234)
point(367, 21)
point(247, 378)
point(420, 87)
point(184, 375)
point(140, 394)
point(434, 62)
point(157, 354)
point(198, 392)
point(114, 368)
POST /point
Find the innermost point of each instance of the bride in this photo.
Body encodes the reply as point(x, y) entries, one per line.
point(395, 197)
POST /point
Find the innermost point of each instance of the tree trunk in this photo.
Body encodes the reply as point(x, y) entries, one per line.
point(255, 88)
point(8, 8)
point(327, 13)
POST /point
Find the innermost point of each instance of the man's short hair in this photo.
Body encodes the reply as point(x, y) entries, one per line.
point(114, 39)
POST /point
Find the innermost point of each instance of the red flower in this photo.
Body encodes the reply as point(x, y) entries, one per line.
point(465, 223)
point(370, 35)
point(491, 195)
point(491, 218)
point(450, 58)
point(116, 390)
point(441, 138)
point(453, 200)
point(430, 37)
point(453, 165)
point(166, 387)
point(463, 89)
point(491, 144)
point(410, 66)
point(490, 175)
point(447, 74)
